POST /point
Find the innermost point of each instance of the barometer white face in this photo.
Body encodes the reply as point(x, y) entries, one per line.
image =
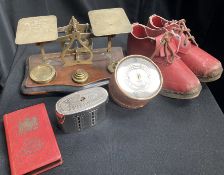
point(138, 77)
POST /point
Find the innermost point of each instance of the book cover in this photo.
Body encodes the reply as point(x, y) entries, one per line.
point(32, 146)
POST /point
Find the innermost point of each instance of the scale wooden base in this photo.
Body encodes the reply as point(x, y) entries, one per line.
point(62, 82)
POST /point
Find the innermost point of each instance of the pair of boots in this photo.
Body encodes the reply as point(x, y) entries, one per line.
point(171, 46)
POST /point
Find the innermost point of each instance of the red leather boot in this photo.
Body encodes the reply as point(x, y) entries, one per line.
point(178, 80)
point(205, 66)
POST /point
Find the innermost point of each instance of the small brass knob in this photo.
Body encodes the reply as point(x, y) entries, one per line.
point(80, 76)
point(112, 66)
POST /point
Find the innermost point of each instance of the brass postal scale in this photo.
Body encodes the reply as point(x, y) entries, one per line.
point(78, 65)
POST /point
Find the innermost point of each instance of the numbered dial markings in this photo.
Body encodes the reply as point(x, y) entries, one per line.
point(138, 78)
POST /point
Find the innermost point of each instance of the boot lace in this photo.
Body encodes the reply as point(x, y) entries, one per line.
point(182, 29)
point(165, 43)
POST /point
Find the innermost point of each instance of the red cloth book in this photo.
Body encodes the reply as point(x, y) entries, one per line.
point(32, 146)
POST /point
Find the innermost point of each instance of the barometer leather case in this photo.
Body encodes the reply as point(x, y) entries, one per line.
point(32, 146)
point(62, 82)
point(82, 110)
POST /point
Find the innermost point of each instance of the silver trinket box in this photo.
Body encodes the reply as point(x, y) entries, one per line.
point(81, 110)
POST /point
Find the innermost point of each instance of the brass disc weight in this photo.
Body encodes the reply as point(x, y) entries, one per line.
point(42, 73)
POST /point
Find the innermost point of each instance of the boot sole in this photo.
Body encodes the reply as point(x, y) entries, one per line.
point(178, 95)
point(214, 76)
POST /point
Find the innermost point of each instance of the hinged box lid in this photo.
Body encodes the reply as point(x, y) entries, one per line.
point(81, 101)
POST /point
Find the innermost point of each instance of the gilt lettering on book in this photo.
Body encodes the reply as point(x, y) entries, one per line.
point(32, 147)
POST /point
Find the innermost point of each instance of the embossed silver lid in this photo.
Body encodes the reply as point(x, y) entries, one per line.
point(81, 101)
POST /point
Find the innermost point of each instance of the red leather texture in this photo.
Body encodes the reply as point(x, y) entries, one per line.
point(179, 80)
point(205, 66)
point(32, 147)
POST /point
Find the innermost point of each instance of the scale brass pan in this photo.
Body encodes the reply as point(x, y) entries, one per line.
point(42, 73)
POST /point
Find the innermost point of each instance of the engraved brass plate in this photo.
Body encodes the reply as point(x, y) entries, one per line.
point(36, 29)
point(42, 73)
point(109, 22)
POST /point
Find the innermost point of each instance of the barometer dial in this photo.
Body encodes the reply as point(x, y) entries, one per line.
point(137, 78)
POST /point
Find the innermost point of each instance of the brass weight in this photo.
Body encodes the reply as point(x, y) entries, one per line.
point(80, 76)
point(42, 73)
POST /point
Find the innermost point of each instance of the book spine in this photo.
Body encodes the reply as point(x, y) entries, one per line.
point(8, 144)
